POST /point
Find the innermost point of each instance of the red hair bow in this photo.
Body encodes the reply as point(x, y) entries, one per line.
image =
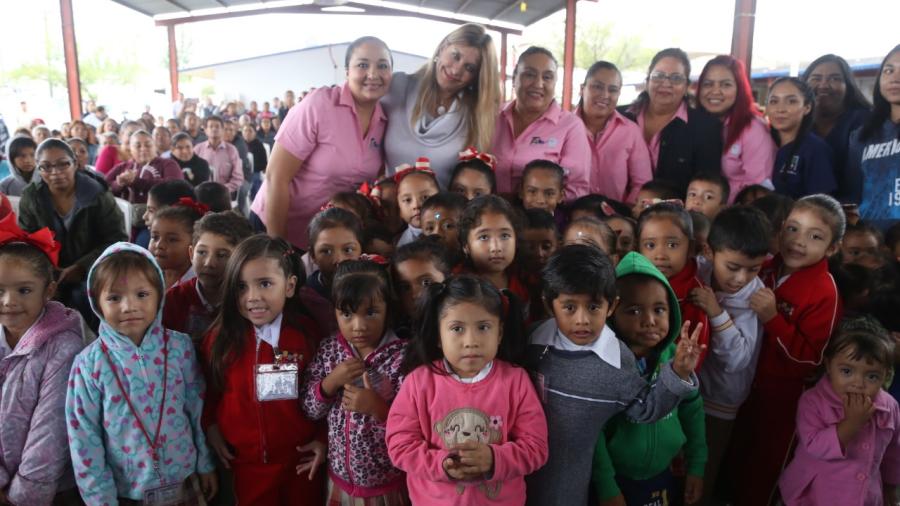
point(42, 239)
point(471, 154)
point(378, 259)
point(423, 165)
point(199, 207)
point(372, 192)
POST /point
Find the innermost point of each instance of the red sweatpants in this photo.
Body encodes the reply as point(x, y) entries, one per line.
point(762, 441)
point(277, 484)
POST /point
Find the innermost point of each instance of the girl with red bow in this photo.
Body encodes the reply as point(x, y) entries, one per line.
point(39, 339)
point(414, 185)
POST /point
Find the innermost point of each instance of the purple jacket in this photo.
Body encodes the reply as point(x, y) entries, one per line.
point(822, 472)
point(34, 456)
point(158, 170)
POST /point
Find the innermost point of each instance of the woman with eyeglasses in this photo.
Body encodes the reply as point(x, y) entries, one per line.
point(840, 109)
point(82, 214)
point(749, 151)
point(682, 140)
point(533, 126)
point(620, 160)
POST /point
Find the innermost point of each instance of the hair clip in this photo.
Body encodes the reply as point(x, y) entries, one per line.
point(471, 153)
point(198, 207)
point(422, 165)
point(326, 206)
point(607, 210)
point(288, 252)
point(41, 239)
point(371, 257)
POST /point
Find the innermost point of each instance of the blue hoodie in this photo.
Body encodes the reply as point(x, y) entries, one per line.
point(110, 452)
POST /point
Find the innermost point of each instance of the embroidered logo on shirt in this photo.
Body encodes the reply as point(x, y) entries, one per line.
point(538, 141)
point(374, 144)
point(785, 308)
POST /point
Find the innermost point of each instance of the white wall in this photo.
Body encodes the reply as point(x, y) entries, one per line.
point(266, 77)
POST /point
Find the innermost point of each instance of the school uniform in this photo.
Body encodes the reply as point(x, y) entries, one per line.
point(749, 159)
point(803, 167)
point(620, 160)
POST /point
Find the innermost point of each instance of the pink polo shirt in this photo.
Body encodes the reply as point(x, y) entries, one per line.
point(224, 161)
point(620, 160)
point(322, 130)
point(558, 136)
point(751, 158)
point(654, 143)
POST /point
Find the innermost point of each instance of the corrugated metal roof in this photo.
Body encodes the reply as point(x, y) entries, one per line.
point(513, 12)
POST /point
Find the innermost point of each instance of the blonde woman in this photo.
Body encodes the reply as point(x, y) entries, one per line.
point(449, 104)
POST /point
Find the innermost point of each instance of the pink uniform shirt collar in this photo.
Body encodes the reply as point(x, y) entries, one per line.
point(552, 113)
point(346, 99)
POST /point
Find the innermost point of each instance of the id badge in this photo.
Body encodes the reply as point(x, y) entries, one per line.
point(186, 493)
point(277, 382)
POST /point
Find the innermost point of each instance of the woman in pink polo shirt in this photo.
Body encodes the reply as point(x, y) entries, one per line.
point(533, 126)
point(749, 152)
point(330, 142)
point(620, 161)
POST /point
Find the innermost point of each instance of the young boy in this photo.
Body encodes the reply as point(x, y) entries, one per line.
point(541, 237)
point(737, 247)
point(651, 192)
point(191, 305)
point(584, 375)
point(542, 185)
point(440, 216)
point(163, 195)
point(633, 463)
point(707, 193)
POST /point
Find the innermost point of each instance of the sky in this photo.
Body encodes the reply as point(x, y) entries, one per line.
point(787, 32)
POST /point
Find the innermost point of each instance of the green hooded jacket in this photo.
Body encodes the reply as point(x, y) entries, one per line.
point(642, 451)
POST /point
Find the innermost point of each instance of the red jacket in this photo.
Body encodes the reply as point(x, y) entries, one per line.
point(809, 308)
point(262, 432)
point(186, 312)
point(683, 282)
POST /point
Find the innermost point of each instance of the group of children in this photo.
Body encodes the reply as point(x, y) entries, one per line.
point(455, 347)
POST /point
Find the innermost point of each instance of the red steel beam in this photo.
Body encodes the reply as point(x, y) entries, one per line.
point(73, 80)
point(569, 55)
point(503, 57)
point(742, 33)
point(173, 62)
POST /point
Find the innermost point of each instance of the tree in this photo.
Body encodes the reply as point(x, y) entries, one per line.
point(597, 41)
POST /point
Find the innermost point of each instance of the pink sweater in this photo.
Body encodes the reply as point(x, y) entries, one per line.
point(824, 473)
point(434, 410)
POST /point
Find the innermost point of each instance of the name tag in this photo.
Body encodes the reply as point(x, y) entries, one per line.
point(277, 382)
point(187, 493)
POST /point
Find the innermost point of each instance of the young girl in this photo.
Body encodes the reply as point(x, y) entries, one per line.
point(414, 186)
point(135, 394)
point(863, 244)
point(256, 352)
point(352, 381)
point(474, 175)
point(848, 427)
point(623, 227)
point(489, 231)
point(170, 239)
point(592, 232)
point(666, 236)
point(417, 266)
point(804, 163)
point(467, 426)
point(39, 339)
point(799, 309)
point(20, 153)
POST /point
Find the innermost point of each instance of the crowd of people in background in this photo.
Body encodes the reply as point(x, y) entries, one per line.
point(401, 290)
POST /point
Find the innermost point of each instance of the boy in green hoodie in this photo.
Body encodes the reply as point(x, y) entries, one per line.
point(633, 462)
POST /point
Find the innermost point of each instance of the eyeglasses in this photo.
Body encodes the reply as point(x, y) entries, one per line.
point(674, 78)
point(50, 168)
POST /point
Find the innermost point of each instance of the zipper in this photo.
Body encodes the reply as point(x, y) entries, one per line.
point(260, 415)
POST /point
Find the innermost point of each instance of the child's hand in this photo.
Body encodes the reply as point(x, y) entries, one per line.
point(364, 400)
point(858, 408)
point(476, 460)
point(687, 354)
point(218, 444)
point(705, 298)
point(344, 373)
point(693, 489)
point(209, 484)
point(312, 462)
point(762, 302)
point(618, 500)
point(453, 468)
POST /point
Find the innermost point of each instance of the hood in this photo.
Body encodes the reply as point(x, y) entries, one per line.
point(112, 338)
point(635, 263)
point(55, 320)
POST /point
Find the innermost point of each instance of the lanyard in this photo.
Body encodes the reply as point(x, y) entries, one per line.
point(154, 443)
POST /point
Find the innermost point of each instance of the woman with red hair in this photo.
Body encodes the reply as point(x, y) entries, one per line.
point(749, 151)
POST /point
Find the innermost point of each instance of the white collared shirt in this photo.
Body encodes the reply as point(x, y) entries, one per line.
point(269, 332)
point(606, 346)
point(474, 379)
point(206, 303)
